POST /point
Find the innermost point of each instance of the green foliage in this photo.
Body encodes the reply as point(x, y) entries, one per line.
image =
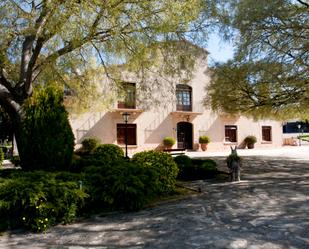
point(164, 166)
point(15, 160)
point(169, 141)
point(1, 156)
point(268, 75)
point(183, 161)
point(123, 185)
point(109, 153)
point(102, 155)
point(74, 29)
point(204, 140)
point(37, 200)
point(88, 146)
point(303, 137)
point(47, 139)
point(250, 140)
point(198, 169)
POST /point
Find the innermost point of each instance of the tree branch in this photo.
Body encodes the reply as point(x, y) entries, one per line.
point(303, 3)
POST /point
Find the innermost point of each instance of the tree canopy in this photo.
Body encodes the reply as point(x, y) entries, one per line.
point(43, 38)
point(47, 41)
point(268, 76)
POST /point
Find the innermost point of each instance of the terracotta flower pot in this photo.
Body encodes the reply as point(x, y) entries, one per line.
point(250, 146)
point(204, 147)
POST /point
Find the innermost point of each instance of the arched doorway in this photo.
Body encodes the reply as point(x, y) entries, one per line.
point(184, 135)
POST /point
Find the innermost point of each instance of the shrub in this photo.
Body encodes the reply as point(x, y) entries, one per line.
point(169, 141)
point(199, 169)
point(109, 153)
point(88, 146)
point(122, 186)
point(15, 160)
point(250, 140)
point(183, 162)
point(204, 140)
point(1, 156)
point(47, 140)
point(37, 200)
point(163, 164)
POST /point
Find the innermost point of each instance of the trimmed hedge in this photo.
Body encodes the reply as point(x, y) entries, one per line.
point(163, 164)
point(195, 169)
point(123, 185)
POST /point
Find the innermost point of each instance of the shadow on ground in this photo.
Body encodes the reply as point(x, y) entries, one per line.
point(268, 209)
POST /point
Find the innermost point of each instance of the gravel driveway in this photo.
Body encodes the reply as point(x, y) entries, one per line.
point(268, 209)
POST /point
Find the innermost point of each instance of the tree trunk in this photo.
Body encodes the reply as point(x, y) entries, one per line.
point(14, 110)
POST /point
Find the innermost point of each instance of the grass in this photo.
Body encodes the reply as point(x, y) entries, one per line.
point(304, 137)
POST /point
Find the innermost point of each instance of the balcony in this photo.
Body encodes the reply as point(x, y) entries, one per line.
point(129, 107)
point(188, 111)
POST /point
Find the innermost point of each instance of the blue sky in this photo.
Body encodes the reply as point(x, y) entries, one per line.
point(220, 51)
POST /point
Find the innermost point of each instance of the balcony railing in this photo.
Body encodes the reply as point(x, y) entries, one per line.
point(196, 107)
point(126, 105)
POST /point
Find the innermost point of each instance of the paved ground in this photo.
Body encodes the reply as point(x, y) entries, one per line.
point(268, 209)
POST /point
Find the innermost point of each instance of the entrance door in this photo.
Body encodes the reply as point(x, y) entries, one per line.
point(184, 135)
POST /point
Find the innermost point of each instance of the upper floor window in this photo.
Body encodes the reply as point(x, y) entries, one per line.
point(129, 99)
point(184, 98)
point(231, 133)
point(266, 133)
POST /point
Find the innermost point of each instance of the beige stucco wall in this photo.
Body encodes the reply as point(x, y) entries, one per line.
point(161, 119)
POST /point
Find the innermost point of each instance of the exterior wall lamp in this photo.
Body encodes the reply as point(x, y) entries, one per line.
point(125, 117)
point(299, 138)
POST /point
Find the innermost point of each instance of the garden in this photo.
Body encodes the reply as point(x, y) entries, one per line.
point(54, 184)
point(99, 179)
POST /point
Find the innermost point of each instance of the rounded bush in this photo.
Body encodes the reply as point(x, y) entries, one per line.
point(250, 140)
point(89, 145)
point(109, 153)
point(169, 141)
point(163, 164)
point(204, 140)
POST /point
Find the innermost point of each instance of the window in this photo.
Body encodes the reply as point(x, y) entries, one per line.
point(129, 100)
point(231, 133)
point(266, 133)
point(184, 98)
point(121, 134)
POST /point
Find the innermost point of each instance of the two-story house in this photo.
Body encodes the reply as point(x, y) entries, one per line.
point(181, 114)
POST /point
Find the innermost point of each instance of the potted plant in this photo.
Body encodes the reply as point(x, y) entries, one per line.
point(204, 140)
point(169, 142)
point(250, 141)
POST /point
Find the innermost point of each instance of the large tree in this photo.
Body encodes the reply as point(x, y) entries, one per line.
point(269, 75)
point(41, 40)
